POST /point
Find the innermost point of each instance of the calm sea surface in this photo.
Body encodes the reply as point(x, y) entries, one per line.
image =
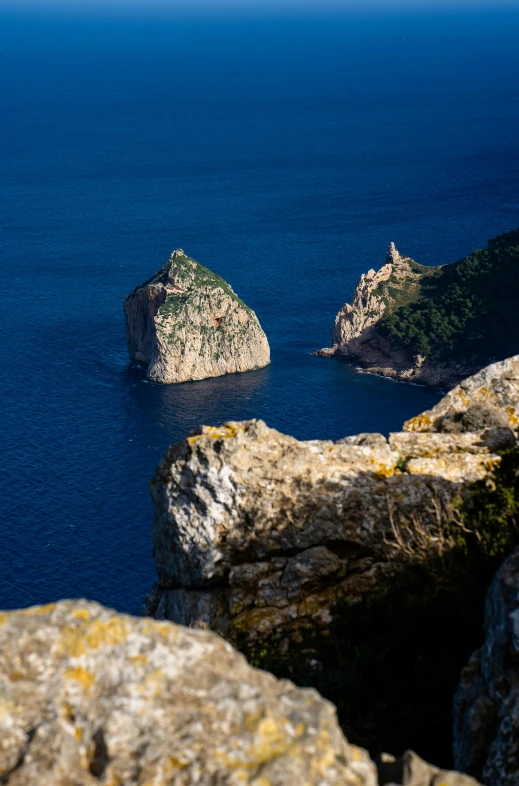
point(283, 154)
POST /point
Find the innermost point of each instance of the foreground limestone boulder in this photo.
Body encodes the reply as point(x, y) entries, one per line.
point(255, 531)
point(88, 696)
point(486, 706)
point(186, 323)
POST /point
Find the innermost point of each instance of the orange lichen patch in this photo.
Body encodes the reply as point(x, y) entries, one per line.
point(165, 629)
point(419, 423)
point(483, 393)
point(15, 676)
point(325, 757)
point(226, 431)
point(176, 764)
point(274, 737)
point(3, 618)
point(138, 660)
point(110, 632)
point(75, 641)
point(81, 614)
point(512, 417)
point(383, 470)
point(465, 400)
point(71, 641)
point(78, 733)
point(81, 675)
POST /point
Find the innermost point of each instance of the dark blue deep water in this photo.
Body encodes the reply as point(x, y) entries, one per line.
point(284, 154)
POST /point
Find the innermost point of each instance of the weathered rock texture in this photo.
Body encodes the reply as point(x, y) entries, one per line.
point(490, 398)
point(186, 323)
point(90, 697)
point(355, 335)
point(256, 532)
point(486, 706)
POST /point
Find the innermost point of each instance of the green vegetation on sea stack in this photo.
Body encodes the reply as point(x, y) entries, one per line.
point(464, 311)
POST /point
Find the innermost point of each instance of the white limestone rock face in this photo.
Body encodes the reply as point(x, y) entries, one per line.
point(90, 697)
point(256, 532)
point(355, 336)
point(186, 323)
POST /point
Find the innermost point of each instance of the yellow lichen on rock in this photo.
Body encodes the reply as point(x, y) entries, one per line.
point(81, 675)
point(271, 533)
point(116, 701)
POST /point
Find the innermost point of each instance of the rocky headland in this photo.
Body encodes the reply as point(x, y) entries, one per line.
point(186, 323)
point(255, 531)
point(433, 325)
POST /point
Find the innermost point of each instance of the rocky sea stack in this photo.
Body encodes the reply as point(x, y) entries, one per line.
point(434, 325)
point(186, 323)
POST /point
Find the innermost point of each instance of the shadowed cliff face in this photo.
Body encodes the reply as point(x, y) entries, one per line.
point(486, 706)
point(280, 544)
point(141, 312)
point(186, 323)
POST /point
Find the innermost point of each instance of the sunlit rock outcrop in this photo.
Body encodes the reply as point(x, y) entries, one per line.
point(186, 323)
point(356, 336)
point(255, 531)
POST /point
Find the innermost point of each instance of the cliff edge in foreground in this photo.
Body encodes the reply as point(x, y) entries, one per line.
point(257, 532)
point(89, 697)
point(340, 563)
point(433, 325)
point(186, 323)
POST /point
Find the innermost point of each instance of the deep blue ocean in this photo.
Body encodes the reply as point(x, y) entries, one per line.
point(283, 153)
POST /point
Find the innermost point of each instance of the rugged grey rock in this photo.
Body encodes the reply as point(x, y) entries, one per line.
point(486, 706)
point(255, 532)
point(88, 696)
point(186, 323)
